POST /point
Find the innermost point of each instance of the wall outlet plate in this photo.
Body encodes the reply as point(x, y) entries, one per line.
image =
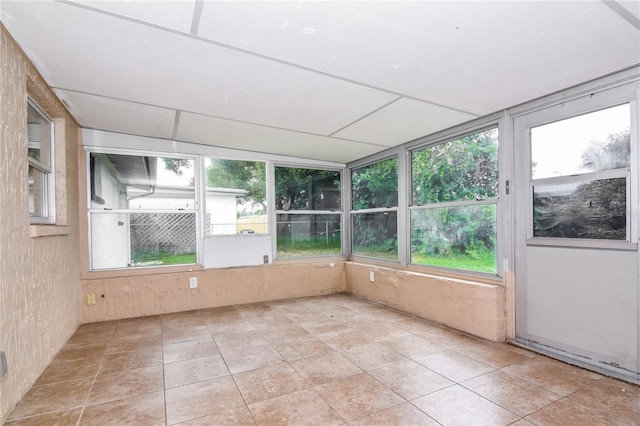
point(91, 299)
point(372, 276)
point(193, 282)
point(3, 364)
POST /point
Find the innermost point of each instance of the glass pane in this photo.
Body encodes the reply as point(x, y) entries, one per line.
point(39, 137)
point(236, 199)
point(462, 169)
point(307, 189)
point(141, 182)
point(376, 234)
point(456, 237)
point(375, 186)
point(121, 240)
point(38, 203)
point(588, 143)
point(308, 235)
point(595, 209)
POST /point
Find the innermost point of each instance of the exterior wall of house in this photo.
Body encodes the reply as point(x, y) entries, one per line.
point(474, 307)
point(39, 265)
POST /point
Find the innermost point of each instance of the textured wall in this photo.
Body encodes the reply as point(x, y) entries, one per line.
point(135, 296)
point(476, 308)
point(39, 277)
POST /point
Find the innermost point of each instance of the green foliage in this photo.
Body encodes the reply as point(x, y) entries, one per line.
point(307, 189)
point(463, 169)
point(238, 174)
point(375, 185)
point(175, 164)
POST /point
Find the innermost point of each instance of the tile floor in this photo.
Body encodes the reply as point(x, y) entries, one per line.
point(328, 360)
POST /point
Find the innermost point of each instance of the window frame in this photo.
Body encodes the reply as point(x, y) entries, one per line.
point(568, 109)
point(48, 198)
point(458, 133)
point(400, 223)
point(273, 220)
point(91, 197)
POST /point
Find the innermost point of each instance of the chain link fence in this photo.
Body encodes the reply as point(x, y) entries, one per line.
point(162, 233)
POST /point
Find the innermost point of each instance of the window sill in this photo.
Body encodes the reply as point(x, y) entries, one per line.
point(38, 231)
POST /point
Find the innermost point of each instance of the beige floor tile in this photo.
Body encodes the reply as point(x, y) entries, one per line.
point(454, 366)
point(235, 341)
point(182, 373)
point(124, 361)
point(325, 367)
point(239, 416)
point(324, 325)
point(145, 409)
point(497, 355)
point(201, 399)
point(412, 346)
point(77, 351)
point(62, 418)
point(410, 380)
point(295, 349)
point(269, 382)
point(378, 331)
point(138, 329)
point(191, 349)
point(456, 405)
point(510, 392)
point(184, 334)
point(342, 340)
point(400, 415)
point(566, 412)
point(372, 356)
point(617, 399)
point(51, 398)
point(62, 370)
point(94, 327)
point(300, 408)
point(555, 376)
point(109, 387)
point(281, 334)
point(134, 343)
point(221, 327)
point(252, 358)
point(358, 396)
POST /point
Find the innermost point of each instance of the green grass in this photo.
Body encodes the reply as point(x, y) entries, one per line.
point(374, 252)
point(287, 248)
point(485, 262)
point(165, 258)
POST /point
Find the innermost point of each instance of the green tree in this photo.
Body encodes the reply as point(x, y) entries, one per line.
point(239, 174)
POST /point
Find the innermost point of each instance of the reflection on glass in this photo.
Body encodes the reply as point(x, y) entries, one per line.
point(595, 209)
point(455, 237)
point(587, 143)
point(462, 169)
point(308, 235)
point(307, 189)
point(375, 234)
point(120, 240)
point(236, 197)
point(37, 193)
point(39, 137)
point(375, 186)
point(141, 182)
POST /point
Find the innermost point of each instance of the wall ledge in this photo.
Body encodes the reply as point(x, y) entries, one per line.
point(38, 231)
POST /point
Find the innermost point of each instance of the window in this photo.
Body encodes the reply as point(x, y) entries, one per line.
point(142, 211)
point(308, 212)
point(41, 165)
point(454, 189)
point(374, 214)
point(235, 198)
point(580, 176)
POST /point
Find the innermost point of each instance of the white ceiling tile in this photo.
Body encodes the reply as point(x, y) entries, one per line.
point(119, 116)
point(177, 15)
point(477, 57)
point(229, 134)
point(120, 59)
point(403, 121)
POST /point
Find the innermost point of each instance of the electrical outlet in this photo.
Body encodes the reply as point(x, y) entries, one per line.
point(265, 259)
point(372, 276)
point(193, 282)
point(91, 299)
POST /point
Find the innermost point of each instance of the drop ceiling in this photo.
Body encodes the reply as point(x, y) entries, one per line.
point(334, 81)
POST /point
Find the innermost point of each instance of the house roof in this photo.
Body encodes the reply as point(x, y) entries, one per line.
point(333, 81)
